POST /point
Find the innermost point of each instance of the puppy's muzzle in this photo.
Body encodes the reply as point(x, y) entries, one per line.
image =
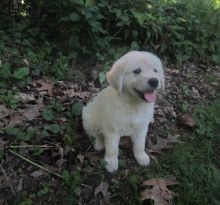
point(153, 82)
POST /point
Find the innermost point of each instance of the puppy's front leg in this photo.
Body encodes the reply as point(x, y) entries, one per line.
point(139, 148)
point(111, 152)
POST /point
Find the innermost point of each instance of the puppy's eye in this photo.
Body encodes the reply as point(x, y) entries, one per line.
point(137, 71)
point(155, 70)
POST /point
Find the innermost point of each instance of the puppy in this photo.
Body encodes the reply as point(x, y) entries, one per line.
point(126, 107)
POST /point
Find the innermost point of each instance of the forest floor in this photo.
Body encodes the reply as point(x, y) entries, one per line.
point(46, 157)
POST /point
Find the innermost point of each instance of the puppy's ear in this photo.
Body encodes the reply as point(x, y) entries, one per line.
point(115, 75)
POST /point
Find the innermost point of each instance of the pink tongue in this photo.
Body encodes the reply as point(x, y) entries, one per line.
point(150, 96)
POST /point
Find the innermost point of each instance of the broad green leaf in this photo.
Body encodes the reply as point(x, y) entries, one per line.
point(21, 73)
point(5, 71)
point(77, 108)
point(216, 59)
point(26, 202)
point(13, 131)
point(19, 134)
point(134, 45)
point(47, 114)
point(90, 3)
point(54, 128)
point(102, 77)
point(139, 16)
point(74, 17)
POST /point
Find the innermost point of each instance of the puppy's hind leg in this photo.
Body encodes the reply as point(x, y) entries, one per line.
point(99, 142)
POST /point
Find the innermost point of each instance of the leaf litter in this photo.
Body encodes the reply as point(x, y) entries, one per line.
point(70, 149)
point(159, 191)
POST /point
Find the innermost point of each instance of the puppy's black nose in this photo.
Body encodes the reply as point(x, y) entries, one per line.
point(153, 82)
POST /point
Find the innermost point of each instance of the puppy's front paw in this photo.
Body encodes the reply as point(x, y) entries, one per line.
point(112, 164)
point(142, 158)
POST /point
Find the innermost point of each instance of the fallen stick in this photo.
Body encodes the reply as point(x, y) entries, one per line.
point(35, 164)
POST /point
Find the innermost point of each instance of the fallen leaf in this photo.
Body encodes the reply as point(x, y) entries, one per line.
point(80, 157)
point(94, 160)
point(173, 71)
point(16, 119)
point(26, 62)
point(85, 95)
point(4, 111)
point(162, 115)
point(37, 173)
point(25, 97)
point(195, 93)
point(159, 193)
point(30, 113)
point(163, 143)
point(187, 120)
point(103, 189)
point(170, 111)
point(33, 111)
point(44, 85)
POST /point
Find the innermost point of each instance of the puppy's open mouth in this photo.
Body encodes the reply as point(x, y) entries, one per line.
point(148, 95)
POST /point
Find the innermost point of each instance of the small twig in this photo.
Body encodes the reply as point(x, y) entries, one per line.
point(8, 114)
point(26, 146)
point(3, 116)
point(35, 164)
point(13, 191)
point(86, 186)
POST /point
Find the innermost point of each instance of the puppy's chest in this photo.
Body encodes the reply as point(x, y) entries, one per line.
point(132, 121)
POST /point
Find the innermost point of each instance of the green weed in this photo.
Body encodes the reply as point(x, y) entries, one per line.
point(208, 120)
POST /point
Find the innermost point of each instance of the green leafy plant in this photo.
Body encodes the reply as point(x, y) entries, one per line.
point(208, 119)
point(53, 128)
point(72, 180)
point(9, 98)
point(26, 202)
point(76, 108)
point(19, 134)
point(21, 73)
point(48, 114)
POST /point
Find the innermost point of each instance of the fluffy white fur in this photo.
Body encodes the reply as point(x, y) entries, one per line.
point(119, 110)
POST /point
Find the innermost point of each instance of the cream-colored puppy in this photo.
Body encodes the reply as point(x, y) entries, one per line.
point(126, 107)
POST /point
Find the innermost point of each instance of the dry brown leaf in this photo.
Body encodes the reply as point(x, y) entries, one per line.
point(44, 85)
point(94, 160)
point(80, 157)
point(159, 193)
point(173, 71)
point(187, 120)
point(195, 93)
point(25, 97)
point(37, 173)
point(170, 111)
point(85, 95)
point(163, 143)
point(103, 189)
point(16, 119)
point(26, 62)
point(32, 111)
point(4, 111)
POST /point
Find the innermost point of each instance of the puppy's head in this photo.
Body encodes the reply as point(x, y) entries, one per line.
point(137, 74)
